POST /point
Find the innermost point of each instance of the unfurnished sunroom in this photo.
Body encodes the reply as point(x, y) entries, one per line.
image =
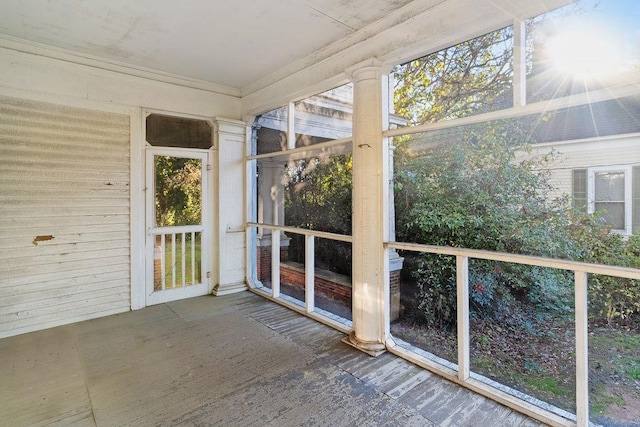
point(409, 173)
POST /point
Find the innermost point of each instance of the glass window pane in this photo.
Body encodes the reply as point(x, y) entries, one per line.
point(178, 191)
point(324, 117)
point(582, 47)
point(306, 192)
point(614, 359)
point(332, 285)
point(613, 213)
point(271, 131)
point(427, 317)
point(292, 268)
point(168, 131)
point(317, 193)
point(598, 119)
point(469, 78)
point(609, 186)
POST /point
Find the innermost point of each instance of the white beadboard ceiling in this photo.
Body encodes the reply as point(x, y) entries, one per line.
point(227, 42)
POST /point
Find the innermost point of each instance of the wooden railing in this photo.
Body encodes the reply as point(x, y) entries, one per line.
point(177, 256)
point(580, 270)
point(461, 373)
point(310, 237)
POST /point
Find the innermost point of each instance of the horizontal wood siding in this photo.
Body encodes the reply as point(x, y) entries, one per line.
point(64, 215)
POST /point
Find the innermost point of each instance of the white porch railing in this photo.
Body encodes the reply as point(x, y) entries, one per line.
point(178, 251)
point(274, 293)
point(460, 373)
point(580, 269)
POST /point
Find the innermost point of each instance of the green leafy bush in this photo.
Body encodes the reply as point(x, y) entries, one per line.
point(483, 196)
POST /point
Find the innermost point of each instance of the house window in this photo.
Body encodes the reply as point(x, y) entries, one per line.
point(610, 190)
point(608, 194)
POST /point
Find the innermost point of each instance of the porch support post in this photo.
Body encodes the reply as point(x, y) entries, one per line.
point(370, 187)
point(270, 211)
point(230, 239)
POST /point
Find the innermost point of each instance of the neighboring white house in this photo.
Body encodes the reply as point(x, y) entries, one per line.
point(597, 159)
point(600, 174)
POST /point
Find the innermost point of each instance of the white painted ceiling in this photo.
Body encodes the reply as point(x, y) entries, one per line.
point(228, 42)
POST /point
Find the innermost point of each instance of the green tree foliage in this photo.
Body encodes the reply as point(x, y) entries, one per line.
point(492, 196)
point(178, 191)
point(482, 197)
point(318, 197)
point(471, 77)
point(318, 194)
point(469, 187)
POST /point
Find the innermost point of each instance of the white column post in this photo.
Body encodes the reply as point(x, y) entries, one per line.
point(582, 349)
point(462, 287)
point(370, 178)
point(310, 265)
point(230, 236)
point(519, 64)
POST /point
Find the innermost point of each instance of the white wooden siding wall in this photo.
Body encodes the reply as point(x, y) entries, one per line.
point(64, 172)
point(606, 151)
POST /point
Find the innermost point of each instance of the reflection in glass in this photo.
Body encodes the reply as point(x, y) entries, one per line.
point(270, 131)
point(325, 116)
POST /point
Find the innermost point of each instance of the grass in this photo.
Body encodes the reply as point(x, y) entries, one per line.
point(546, 385)
point(177, 267)
point(600, 401)
point(543, 364)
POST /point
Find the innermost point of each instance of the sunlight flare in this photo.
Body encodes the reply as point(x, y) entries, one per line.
point(585, 52)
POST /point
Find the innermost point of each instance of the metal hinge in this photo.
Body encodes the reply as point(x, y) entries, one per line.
point(208, 275)
point(208, 167)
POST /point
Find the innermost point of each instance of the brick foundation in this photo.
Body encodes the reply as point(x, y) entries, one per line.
point(157, 268)
point(336, 286)
point(394, 297)
point(328, 284)
point(263, 268)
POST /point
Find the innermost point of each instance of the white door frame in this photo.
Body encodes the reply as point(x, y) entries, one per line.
point(157, 297)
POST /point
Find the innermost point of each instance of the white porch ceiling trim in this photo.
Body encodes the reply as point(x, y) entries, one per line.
point(66, 55)
point(419, 28)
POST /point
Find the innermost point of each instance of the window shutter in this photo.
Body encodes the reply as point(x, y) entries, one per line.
point(635, 199)
point(579, 189)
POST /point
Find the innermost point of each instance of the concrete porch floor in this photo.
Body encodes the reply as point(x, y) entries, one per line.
point(238, 360)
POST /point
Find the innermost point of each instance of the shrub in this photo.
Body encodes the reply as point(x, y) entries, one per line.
point(481, 197)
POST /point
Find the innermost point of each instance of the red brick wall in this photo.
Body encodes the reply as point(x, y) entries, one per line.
point(157, 268)
point(263, 268)
point(326, 287)
point(329, 285)
point(394, 282)
point(394, 294)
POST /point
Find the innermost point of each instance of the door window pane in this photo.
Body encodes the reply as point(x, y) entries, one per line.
point(178, 191)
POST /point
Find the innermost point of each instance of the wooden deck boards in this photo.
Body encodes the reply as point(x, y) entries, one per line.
point(237, 360)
